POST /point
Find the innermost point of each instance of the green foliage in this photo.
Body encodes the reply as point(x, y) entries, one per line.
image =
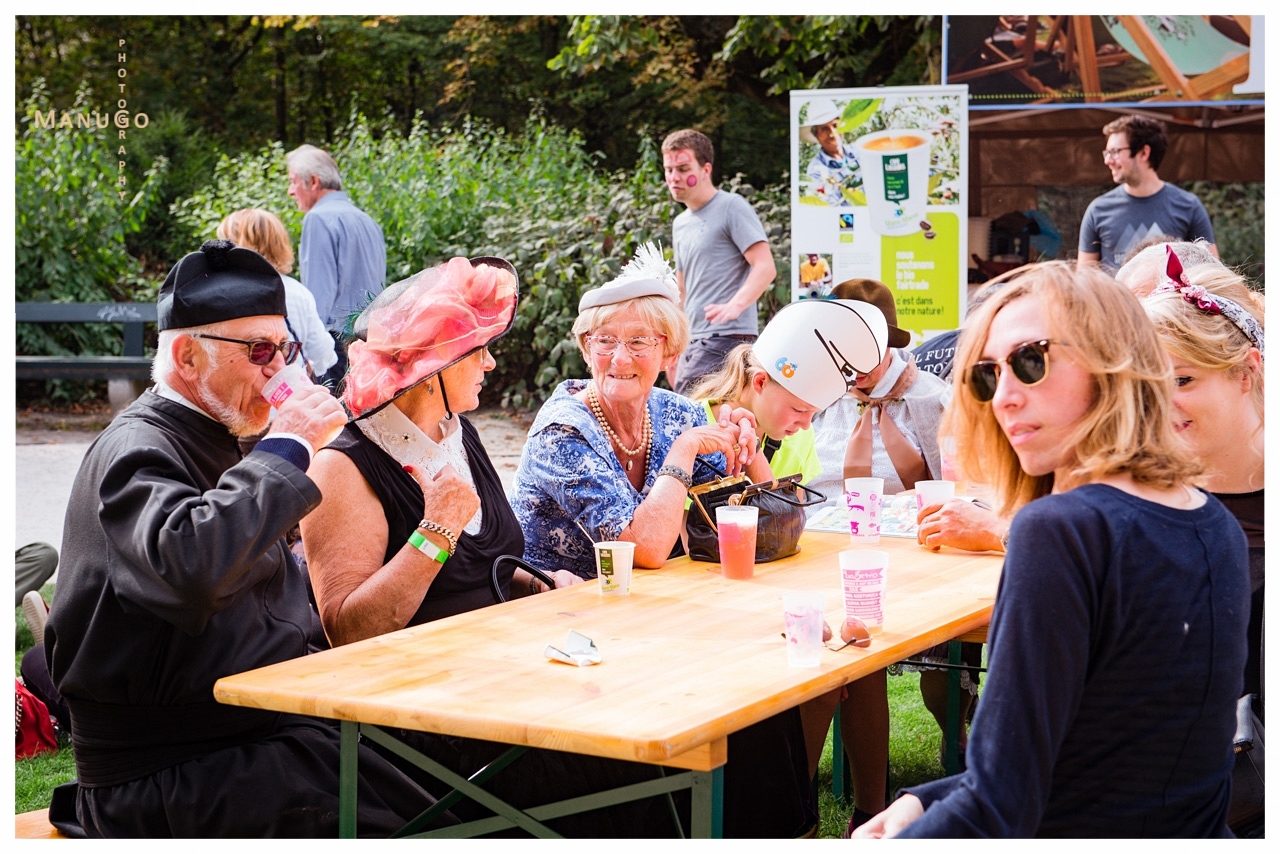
point(535, 198)
point(1238, 214)
point(834, 51)
point(72, 221)
point(256, 179)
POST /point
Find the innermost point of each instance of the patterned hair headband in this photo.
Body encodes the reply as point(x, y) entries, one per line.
point(1176, 280)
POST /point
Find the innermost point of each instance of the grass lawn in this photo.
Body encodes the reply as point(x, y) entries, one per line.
point(913, 749)
point(34, 779)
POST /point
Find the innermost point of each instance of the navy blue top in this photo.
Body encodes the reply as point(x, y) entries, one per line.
point(1117, 652)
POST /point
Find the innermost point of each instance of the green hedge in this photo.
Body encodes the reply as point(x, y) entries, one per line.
point(71, 220)
point(536, 198)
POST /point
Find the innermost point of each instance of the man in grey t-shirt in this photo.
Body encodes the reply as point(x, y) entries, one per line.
point(1142, 205)
point(722, 255)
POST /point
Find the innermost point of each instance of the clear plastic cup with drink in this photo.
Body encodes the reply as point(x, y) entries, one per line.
point(736, 536)
point(864, 577)
point(285, 382)
point(802, 617)
point(863, 496)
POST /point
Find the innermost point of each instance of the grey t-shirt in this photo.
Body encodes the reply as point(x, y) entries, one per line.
point(1115, 222)
point(708, 244)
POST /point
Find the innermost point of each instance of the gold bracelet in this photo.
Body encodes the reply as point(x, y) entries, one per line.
point(428, 525)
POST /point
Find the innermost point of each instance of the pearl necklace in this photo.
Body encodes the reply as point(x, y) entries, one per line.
point(645, 432)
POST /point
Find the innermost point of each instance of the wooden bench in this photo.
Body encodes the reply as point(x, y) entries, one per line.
point(34, 825)
point(126, 375)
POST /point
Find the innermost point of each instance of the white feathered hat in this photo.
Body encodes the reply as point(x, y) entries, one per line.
point(647, 274)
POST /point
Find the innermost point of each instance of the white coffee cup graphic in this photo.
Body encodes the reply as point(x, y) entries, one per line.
point(895, 178)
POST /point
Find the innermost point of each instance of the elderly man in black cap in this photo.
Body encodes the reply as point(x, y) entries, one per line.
point(174, 573)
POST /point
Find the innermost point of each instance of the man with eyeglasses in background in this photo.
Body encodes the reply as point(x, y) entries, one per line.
point(175, 573)
point(1142, 206)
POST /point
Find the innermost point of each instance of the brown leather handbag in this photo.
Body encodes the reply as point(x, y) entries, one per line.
point(781, 504)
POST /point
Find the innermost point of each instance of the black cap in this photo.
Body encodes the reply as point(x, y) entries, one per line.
point(220, 282)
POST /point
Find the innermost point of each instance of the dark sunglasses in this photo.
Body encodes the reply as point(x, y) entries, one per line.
point(261, 351)
point(1027, 361)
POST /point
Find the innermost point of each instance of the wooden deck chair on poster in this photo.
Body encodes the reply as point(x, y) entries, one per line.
point(1193, 60)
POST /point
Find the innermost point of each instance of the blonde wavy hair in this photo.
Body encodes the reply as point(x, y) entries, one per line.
point(263, 232)
point(1210, 341)
point(1129, 427)
point(730, 382)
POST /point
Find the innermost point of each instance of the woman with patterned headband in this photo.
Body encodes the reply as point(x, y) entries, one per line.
point(1211, 325)
point(1118, 636)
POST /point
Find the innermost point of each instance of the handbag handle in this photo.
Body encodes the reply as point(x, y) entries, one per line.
point(791, 480)
point(788, 480)
point(496, 588)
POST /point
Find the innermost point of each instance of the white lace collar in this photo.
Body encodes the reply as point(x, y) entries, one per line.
point(393, 431)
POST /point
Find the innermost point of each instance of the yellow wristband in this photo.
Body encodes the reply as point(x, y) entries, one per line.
point(427, 547)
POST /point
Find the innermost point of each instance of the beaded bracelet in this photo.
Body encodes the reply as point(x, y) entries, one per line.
point(676, 472)
point(427, 547)
point(428, 525)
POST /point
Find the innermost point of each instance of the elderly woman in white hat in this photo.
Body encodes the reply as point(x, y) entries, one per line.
point(834, 167)
point(613, 458)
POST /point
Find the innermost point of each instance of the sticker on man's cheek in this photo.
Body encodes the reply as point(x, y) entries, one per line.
point(691, 181)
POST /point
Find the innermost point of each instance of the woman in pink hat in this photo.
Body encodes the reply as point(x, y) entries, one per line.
point(414, 515)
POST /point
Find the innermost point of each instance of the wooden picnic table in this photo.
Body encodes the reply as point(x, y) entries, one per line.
point(688, 658)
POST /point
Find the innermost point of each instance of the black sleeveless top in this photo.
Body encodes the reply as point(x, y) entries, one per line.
point(463, 582)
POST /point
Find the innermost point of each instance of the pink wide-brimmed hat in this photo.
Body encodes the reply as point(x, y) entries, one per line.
point(421, 325)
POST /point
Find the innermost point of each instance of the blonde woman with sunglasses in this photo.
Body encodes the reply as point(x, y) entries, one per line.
point(1118, 637)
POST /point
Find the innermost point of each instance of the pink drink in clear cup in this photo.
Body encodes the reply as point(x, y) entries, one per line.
point(736, 533)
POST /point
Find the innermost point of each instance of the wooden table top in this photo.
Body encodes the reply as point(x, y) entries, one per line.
point(688, 657)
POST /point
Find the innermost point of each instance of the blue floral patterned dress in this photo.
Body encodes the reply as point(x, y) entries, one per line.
point(568, 471)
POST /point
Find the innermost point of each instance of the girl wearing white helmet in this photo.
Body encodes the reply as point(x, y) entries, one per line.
point(802, 362)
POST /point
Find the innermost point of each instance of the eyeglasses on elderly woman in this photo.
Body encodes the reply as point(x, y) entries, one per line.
point(607, 345)
point(1029, 363)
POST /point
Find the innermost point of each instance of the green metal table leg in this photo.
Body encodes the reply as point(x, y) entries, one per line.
point(348, 778)
point(841, 773)
point(951, 761)
point(708, 804)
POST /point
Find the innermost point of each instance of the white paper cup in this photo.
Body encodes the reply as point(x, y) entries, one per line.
point(930, 492)
point(863, 496)
point(802, 616)
point(285, 382)
point(613, 567)
point(864, 576)
point(895, 178)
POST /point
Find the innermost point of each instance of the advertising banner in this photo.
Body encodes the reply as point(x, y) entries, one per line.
point(879, 190)
point(1031, 61)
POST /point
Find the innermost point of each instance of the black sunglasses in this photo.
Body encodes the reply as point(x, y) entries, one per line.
point(1027, 361)
point(261, 351)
